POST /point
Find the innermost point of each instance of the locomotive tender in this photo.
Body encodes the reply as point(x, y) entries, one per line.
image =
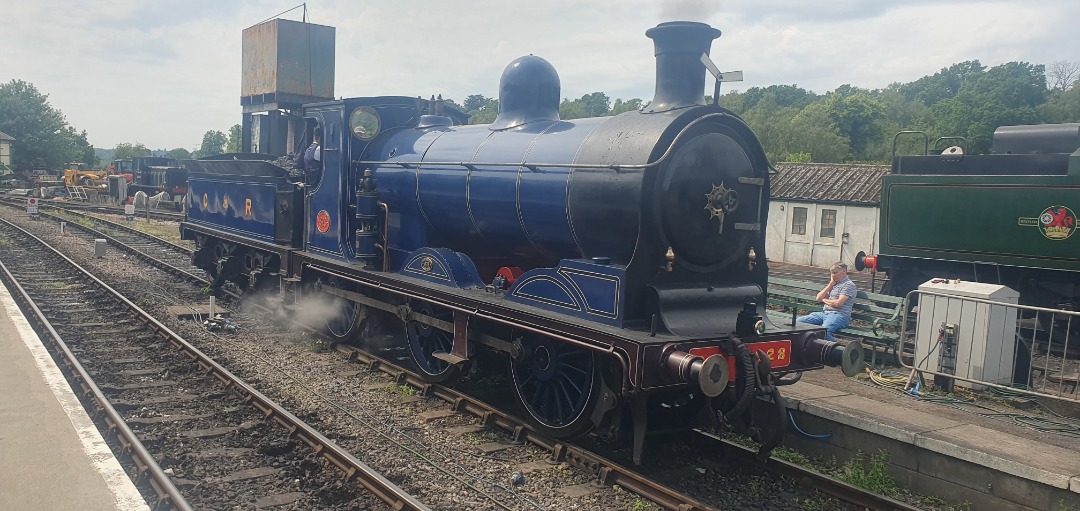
point(617, 263)
point(1008, 217)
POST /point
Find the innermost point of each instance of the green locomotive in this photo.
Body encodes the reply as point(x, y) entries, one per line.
point(1007, 218)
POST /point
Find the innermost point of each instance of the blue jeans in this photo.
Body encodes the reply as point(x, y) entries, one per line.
point(833, 322)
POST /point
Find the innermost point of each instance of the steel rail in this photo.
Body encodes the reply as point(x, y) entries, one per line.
point(143, 255)
point(353, 468)
point(18, 202)
point(138, 253)
point(124, 228)
point(167, 492)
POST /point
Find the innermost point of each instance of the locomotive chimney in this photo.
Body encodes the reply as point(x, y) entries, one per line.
point(680, 75)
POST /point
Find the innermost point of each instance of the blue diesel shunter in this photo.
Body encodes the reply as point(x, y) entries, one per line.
point(617, 262)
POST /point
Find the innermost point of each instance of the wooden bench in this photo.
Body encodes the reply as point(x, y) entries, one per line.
point(875, 318)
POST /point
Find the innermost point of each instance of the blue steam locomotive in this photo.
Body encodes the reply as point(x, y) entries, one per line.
point(617, 263)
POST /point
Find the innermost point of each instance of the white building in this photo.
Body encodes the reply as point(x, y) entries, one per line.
point(5, 149)
point(822, 213)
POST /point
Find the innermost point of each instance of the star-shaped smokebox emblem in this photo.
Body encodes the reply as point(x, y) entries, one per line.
point(721, 201)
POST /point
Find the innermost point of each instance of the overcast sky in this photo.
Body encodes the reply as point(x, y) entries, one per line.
point(163, 72)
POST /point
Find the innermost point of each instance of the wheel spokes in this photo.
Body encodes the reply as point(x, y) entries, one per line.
point(554, 384)
point(425, 341)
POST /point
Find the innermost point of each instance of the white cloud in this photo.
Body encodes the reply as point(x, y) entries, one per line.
point(164, 72)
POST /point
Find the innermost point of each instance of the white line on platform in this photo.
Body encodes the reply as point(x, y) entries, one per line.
point(127, 497)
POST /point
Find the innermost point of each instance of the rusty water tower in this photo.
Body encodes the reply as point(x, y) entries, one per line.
point(285, 65)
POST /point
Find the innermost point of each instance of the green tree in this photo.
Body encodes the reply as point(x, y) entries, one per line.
point(42, 135)
point(800, 158)
point(476, 102)
point(213, 142)
point(944, 84)
point(453, 104)
point(126, 150)
point(900, 114)
point(178, 154)
point(481, 110)
point(734, 101)
point(572, 109)
point(629, 105)
point(233, 144)
point(1064, 107)
point(813, 131)
point(770, 122)
point(782, 95)
point(1004, 95)
point(83, 151)
point(856, 114)
point(595, 104)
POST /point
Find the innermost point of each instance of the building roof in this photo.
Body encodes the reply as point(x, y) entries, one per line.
point(5, 136)
point(828, 182)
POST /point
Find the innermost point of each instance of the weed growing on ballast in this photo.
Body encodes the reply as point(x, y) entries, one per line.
point(876, 479)
point(792, 456)
point(402, 389)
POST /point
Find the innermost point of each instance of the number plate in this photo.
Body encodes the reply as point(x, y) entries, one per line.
point(779, 352)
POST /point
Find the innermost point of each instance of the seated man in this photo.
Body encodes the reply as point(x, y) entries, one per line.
point(839, 298)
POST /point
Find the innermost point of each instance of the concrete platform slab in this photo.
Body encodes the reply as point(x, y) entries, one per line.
point(876, 417)
point(939, 450)
point(51, 454)
point(811, 392)
point(1024, 457)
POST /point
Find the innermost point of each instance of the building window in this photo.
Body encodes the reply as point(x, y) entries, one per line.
point(798, 221)
point(828, 223)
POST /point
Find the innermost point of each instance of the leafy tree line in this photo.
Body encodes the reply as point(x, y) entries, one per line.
point(849, 124)
point(43, 137)
point(852, 124)
point(213, 142)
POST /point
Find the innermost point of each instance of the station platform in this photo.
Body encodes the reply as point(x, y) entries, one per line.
point(52, 456)
point(974, 451)
point(989, 458)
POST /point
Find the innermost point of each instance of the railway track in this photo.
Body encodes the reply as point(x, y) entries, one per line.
point(156, 214)
point(597, 467)
point(152, 249)
point(201, 437)
point(864, 281)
